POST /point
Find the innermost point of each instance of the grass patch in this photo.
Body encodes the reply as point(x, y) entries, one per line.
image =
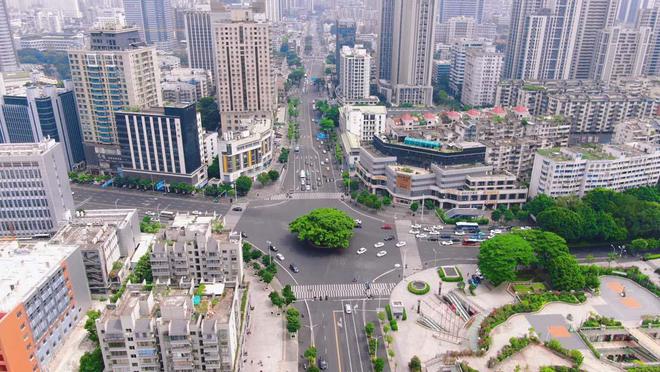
point(450, 279)
point(525, 289)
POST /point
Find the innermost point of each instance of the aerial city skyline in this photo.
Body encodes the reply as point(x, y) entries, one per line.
point(329, 185)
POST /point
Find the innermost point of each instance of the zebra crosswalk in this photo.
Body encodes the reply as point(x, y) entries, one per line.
point(309, 291)
point(307, 196)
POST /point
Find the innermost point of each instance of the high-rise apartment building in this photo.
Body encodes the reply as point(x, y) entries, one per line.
point(411, 51)
point(114, 74)
point(345, 30)
point(154, 19)
point(355, 74)
point(42, 113)
point(43, 295)
point(199, 39)
point(621, 53)
point(457, 57)
point(186, 85)
point(455, 29)
point(386, 35)
point(483, 69)
point(8, 58)
point(651, 18)
point(34, 189)
point(555, 39)
point(163, 143)
point(456, 8)
point(244, 78)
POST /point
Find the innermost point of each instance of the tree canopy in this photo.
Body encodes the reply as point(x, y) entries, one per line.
point(324, 227)
point(243, 185)
point(500, 256)
point(208, 110)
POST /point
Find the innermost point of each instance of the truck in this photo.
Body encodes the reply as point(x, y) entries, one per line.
point(302, 174)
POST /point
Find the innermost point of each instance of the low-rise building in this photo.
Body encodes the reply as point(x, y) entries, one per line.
point(170, 330)
point(577, 170)
point(52, 42)
point(246, 152)
point(43, 295)
point(196, 249)
point(210, 147)
point(363, 121)
point(107, 240)
point(637, 130)
point(185, 85)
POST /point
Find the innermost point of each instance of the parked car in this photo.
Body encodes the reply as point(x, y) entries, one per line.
point(433, 238)
point(361, 250)
point(280, 256)
point(416, 226)
point(243, 235)
point(150, 213)
point(400, 244)
point(421, 236)
point(414, 232)
point(379, 244)
point(294, 268)
point(381, 253)
point(348, 309)
point(386, 227)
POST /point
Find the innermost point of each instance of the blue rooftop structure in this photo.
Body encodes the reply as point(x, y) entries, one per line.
point(411, 141)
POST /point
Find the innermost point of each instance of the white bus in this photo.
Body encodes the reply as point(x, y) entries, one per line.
point(167, 214)
point(302, 174)
point(467, 226)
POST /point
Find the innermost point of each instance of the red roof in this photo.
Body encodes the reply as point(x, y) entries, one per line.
point(429, 116)
point(406, 117)
point(453, 115)
point(473, 112)
point(520, 109)
point(498, 110)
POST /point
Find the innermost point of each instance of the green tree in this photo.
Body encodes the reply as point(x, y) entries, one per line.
point(326, 125)
point(313, 369)
point(92, 361)
point(214, 168)
point(142, 271)
point(546, 245)
point(429, 204)
point(292, 320)
point(310, 355)
point(387, 200)
point(539, 204)
point(243, 185)
point(379, 365)
point(414, 206)
point(639, 245)
point(369, 329)
point(562, 221)
point(415, 364)
point(276, 299)
point(90, 325)
point(263, 178)
point(273, 175)
point(289, 296)
point(208, 110)
point(565, 273)
point(147, 225)
point(500, 256)
point(296, 75)
point(508, 215)
point(496, 215)
point(324, 227)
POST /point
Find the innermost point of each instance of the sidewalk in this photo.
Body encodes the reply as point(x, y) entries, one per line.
point(268, 346)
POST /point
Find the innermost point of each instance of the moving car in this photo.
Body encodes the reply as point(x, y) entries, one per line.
point(323, 364)
point(294, 268)
point(433, 238)
point(433, 232)
point(358, 223)
point(414, 232)
point(386, 227)
point(237, 209)
point(381, 253)
point(243, 235)
point(361, 250)
point(348, 309)
point(280, 256)
point(459, 233)
point(387, 238)
point(421, 236)
point(379, 244)
point(416, 226)
point(400, 244)
point(447, 242)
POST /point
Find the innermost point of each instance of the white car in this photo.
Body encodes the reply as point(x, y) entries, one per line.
point(421, 236)
point(496, 231)
point(434, 232)
point(379, 244)
point(427, 229)
point(397, 265)
point(325, 152)
point(438, 227)
point(280, 256)
point(361, 250)
point(196, 213)
point(447, 242)
point(357, 221)
point(414, 232)
point(459, 233)
point(150, 213)
point(416, 226)
point(400, 244)
point(381, 253)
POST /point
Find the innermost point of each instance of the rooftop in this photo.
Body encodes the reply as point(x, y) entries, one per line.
point(26, 149)
point(597, 152)
point(25, 266)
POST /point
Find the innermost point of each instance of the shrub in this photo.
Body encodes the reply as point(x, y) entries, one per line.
point(412, 289)
point(444, 278)
point(394, 325)
point(388, 311)
point(405, 315)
